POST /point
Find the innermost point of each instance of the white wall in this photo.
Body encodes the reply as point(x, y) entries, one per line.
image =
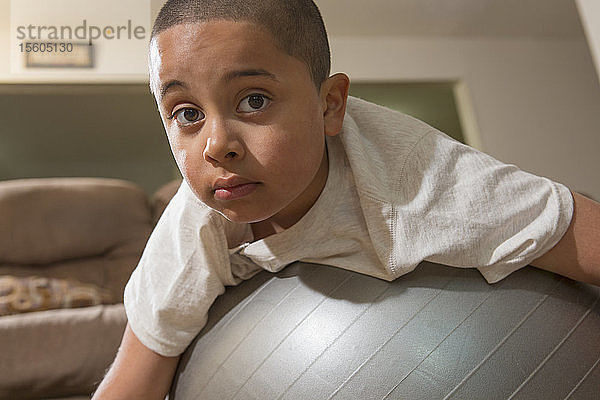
point(536, 103)
point(4, 39)
point(589, 12)
point(135, 72)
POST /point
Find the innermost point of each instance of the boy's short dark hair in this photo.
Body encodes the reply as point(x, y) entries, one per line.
point(296, 25)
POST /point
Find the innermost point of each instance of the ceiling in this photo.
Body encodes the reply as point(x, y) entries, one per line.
point(471, 18)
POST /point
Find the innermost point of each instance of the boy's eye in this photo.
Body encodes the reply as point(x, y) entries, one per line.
point(252, 103)
point(187, 116)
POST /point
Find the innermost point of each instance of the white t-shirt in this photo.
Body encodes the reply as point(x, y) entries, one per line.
point(398, 192)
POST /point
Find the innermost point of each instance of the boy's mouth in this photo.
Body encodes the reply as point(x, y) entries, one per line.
point(233, 187)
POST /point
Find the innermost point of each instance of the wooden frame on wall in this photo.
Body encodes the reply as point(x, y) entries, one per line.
point(58, 55)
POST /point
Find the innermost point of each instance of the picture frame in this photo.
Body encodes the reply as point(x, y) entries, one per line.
point(51, 54)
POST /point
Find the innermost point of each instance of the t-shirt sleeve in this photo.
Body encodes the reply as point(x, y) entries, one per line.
point(466, 209)
point(183, 268)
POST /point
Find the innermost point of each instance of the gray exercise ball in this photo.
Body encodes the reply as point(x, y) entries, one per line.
point(318, 332)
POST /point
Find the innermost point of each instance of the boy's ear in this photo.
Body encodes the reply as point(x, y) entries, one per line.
point(334, 93)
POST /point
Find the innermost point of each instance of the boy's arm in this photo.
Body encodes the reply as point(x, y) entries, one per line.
point(137, 373)
point(577, 254)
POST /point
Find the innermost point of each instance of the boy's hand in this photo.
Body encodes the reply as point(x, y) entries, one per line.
point(137, 373)
point(577, 254)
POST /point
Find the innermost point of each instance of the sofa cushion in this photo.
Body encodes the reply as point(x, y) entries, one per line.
point(89, 229)
point(35, 293)
point(54, 219)
point(110, 272)
point(58, 353)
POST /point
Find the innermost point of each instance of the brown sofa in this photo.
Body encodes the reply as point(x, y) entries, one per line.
point(65, 243)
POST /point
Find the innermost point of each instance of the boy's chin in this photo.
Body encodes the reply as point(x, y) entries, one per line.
point(241, 218)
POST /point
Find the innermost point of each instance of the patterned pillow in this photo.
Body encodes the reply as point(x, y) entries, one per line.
point(27, 294)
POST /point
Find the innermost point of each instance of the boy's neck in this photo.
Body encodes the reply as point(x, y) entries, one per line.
point(263, 229)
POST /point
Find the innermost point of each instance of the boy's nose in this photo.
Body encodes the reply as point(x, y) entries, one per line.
point(221, 146)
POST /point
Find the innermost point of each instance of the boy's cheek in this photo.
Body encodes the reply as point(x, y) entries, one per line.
point(175, 149)
point(180, 147)
point(180, 154)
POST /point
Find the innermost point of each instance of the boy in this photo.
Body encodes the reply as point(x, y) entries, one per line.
point(278, 167)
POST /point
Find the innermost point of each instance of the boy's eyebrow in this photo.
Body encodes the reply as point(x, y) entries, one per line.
point(250, 72)
point(228, 77)
point(165, 88)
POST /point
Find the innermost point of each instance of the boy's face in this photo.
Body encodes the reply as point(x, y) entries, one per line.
point(245, 121)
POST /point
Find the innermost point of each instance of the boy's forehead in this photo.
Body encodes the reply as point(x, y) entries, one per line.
point(184, 47)
point(214, 54)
